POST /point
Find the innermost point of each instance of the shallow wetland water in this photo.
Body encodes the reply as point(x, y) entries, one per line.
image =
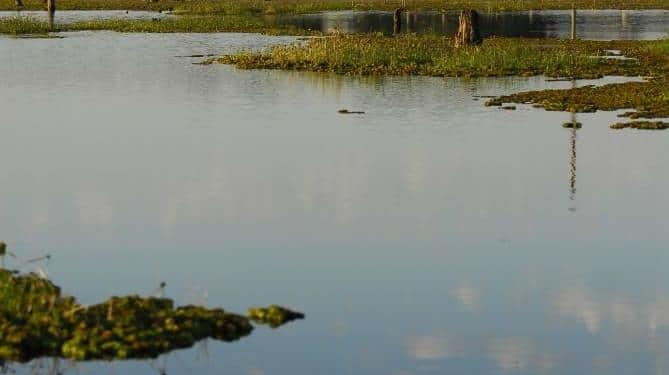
point(430, 235)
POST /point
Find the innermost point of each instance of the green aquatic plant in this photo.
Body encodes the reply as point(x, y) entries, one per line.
point(572, 125)
point(642, 125)
point(36, 320)
point(273, 315)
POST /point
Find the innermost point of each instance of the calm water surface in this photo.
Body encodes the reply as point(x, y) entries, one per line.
point(590, 24)
point(432, 235)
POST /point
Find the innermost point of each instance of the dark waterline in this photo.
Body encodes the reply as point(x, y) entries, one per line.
point(599, 24)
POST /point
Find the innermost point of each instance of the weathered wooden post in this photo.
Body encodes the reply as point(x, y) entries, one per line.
point(51, 9)
point(573, 22)
point(469, 32)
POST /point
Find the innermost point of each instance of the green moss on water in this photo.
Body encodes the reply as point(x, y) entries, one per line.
point(572, 125)
point(642, 125)
point(273, 315)
point(36, 320)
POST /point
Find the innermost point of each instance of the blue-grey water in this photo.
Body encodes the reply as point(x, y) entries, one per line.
point(431, 235)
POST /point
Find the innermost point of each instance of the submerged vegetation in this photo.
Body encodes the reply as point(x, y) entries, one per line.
point(306, 6)
point(36, 320)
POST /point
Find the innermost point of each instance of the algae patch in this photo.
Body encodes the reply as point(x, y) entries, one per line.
point(36, 320)
point(642, 125)
point(273, 315)
point(572, 125)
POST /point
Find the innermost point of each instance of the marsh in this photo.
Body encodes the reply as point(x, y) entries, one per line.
point(430, 235)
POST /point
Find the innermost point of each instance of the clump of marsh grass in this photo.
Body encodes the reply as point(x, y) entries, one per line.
point(24, 26)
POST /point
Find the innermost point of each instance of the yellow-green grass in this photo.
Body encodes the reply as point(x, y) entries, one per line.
point(188, 24)
point(306, 6)
point(375, 54)
point(185, 24)
point(23, 26)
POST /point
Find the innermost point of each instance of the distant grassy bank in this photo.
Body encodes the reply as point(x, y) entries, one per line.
point(188, 24)
point(436, 56)
point(306, 6)
point(27, 26)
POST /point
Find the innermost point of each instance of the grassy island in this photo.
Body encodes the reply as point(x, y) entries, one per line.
point(436, 56)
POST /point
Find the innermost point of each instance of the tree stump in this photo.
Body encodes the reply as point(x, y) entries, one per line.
point(469, 33)
point(397, 20)
point(51, 6)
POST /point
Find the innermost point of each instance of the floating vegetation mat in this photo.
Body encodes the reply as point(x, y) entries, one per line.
point(644, 125)
point(275, 316)
point(572, 125)
point(36, 320)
